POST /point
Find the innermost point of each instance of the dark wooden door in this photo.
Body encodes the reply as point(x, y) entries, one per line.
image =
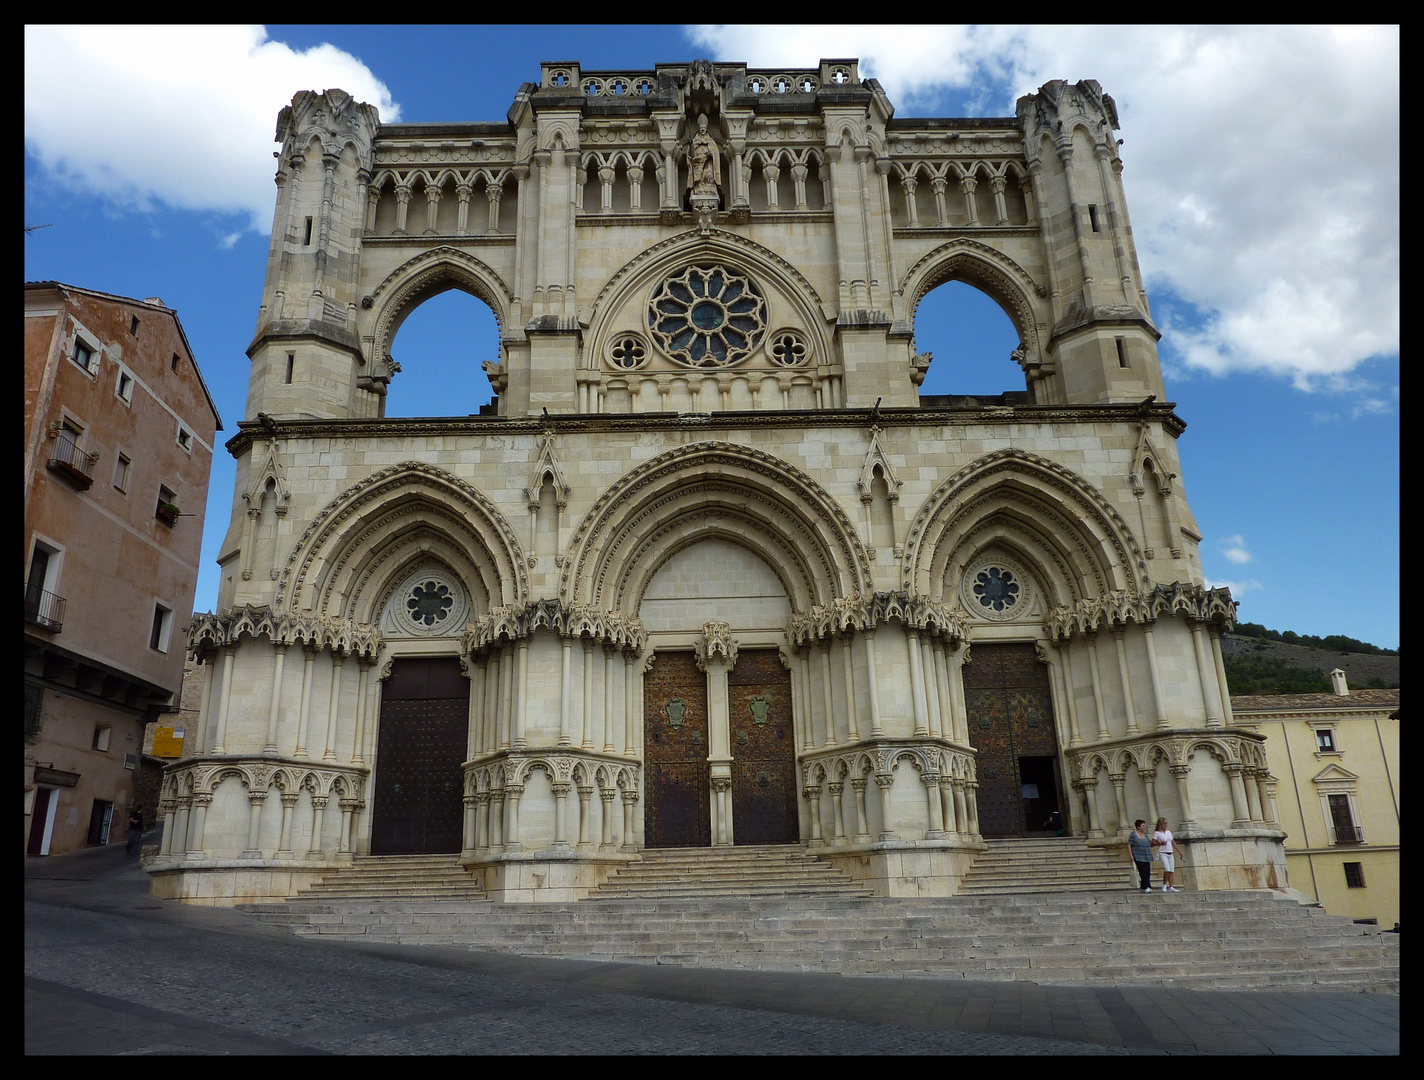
point(1010, 710)
point(676, 779)
point(419, 785)
point(763, 749)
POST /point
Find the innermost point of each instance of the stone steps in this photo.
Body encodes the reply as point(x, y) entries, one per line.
point(750, 871)
point(1240, 940)
point(1056, 864)
point(397, 877)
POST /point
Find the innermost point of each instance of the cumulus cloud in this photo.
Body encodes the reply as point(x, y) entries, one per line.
point(1236, 587)
point(1233, 549)
point(180, 115)
point(1261, 166)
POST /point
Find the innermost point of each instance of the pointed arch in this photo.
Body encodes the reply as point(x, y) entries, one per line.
point(346, 559)
point(1047, 514)
point(714, 489)
point(429, 274)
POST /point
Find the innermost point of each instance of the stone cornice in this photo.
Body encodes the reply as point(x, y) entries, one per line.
point(514, 622)
point(1091, 614)
point(637, 423)
point(215, 631)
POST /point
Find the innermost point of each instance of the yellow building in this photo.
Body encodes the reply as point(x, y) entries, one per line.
point(1336, 759)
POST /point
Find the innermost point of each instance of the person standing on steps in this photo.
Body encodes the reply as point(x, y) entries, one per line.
point(1166, 851)
point(1141, 847)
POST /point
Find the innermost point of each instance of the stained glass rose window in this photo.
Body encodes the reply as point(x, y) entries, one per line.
point(707, 317)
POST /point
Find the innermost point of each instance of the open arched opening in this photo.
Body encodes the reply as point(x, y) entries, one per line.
point(972, 341)
point(441, 346)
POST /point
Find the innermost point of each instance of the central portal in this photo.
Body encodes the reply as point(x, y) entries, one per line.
point(677, 781)
point(763, 749)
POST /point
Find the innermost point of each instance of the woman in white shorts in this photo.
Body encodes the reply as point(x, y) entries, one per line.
point(1167, 853)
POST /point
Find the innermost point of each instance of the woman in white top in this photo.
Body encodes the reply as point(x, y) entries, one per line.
point(1162, 842)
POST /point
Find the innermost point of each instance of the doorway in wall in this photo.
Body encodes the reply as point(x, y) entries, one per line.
point(676, 778)
point(763, 750)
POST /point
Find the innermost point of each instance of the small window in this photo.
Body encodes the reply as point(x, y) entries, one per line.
point(1325, 740)
point(309, 232)
point(1093, 217)
point(162, 625)
point(85, 355)
point(124, 389)
point(174, 365)
point(133, 326)
point(1355, 875)
point(99, 820)
point(101, 738)
point(185, 439)
point(121, 472)
point(291, 363)
point(1121, 352)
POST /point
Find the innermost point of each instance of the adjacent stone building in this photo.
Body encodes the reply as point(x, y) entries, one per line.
point(710, 571)
point(119, 432)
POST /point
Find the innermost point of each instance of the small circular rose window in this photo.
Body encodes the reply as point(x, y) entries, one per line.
point(429, 603)
point(996, 588)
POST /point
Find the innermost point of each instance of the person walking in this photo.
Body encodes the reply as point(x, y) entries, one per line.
point(1166, 851)
point(135, 838)
point(1141, 847)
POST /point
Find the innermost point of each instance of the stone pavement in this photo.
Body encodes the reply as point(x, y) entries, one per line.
point(111, 970)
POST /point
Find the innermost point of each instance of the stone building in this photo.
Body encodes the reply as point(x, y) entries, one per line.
point(710, 571)
point(1337, 756)
point(119, 432)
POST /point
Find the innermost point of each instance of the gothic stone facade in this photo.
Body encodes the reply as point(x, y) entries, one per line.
point(711, 571)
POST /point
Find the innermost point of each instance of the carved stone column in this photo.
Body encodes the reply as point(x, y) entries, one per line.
point(1159, 703)
point(961, 808)
point(304, 710)
point(1118, 780)
point(348, 812)
point(170, 825)
point(837, 820)
point(908, 185)
point(561, 798)
point(1149, 780)
point(314, 849)
point(329, 753)
point(971, 804)
point(1001, 208)
point(402, 208)
point(289, 803)
point(885, 781)
point(1090, 785)
point(463, 191)
point(721, 811)
point(946, 804)
point(494, 193)
point(363, 665)
point(629, 798)
point(585, 793)
point(847, 662)
point(1240, 812)
point(470, 827)
point(1253, 795)
point(1117, 633)
point(181, 822)
point(1207, 675)
point(813, 803)
point(220, 730)
point(876, 731)
point(512, 840)
point(1181, 772)
point(917, 685)
point(566, 692)
point(862, 824)
point(938, 185)
point(1103, 732)
point(523, 695)
point(967, 185)
point(274, 704)
point(606, 796)
point(196, 823)
point(935, 811)
point(432, 208)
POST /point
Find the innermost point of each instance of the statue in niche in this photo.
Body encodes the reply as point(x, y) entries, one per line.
point(704, 163)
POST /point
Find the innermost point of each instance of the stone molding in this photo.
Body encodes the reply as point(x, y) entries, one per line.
point(1238, 748)
point(513, 622)
point(201, 776)
point(847, 614)
point(1211, 607)
point(880, 758)
point(209, 632)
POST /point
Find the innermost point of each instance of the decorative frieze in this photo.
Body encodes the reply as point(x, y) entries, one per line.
point(1212, 607)
point(208, 631)
point(514, 622)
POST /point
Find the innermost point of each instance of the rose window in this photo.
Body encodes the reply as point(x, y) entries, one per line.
point(996, 588)
point(788, 349)
point(707, 317)
point(429, 603)
point(628, 352)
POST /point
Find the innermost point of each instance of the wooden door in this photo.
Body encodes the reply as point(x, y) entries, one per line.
point(676, 778)
point(763, 750)
point(1010, 710)
point(419, 784)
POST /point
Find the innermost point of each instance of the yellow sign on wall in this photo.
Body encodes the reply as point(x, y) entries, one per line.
point(168, 742)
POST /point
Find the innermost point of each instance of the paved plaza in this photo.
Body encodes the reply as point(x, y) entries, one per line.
point(112, 970)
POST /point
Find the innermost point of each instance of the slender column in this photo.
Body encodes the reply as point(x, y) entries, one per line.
point(633, 691)
point(561, 798)
point(519, 705)
point(1132, 728)
point(1240, 813)
point(196, 823)
point(936, 814)
point(1253, 796)
point(329, 754)
point(220, 731)
point(917, 684)
point(829, 700)
point(314, 849)
point(511, 817)
point(608, 661)
point(884, 782)
point(402, 208)
point(491, 701)
point(813, 803)
point(971, 805)
point(1220, 665)
point(275, 702)
point(1181, 772)
point(876, 731)
point(1159, 703)
point(566, 693)
point(474, 718)
point(967, 185)
point(1268, 798)
point(961, 808)
point(482, 820)
point(494, 193)
point(205, 710)
point(363, 667)
point(255, 800)
point(587, 743)
point(629, 798)
point(1001, 208)
point(1090, 793)
point(496, 820)
point(170, 824)
point(606, 796)
point(721, 812)
point(837, 818)
point(907, 185)
point(1149, 780)
point(585, 792)
point(928, 649)
point(946, 804)
point(1066, 693)
point(959, 722)
point(1207, 676)
point(432, 208)
point(1118, 780)
point(304, 711)
point(804, 655)
point(847, 662)
point(181, 822)
point(862, 822)
point(348, 810)
point(1097, 687)
point(470, 832)
point(289, 803)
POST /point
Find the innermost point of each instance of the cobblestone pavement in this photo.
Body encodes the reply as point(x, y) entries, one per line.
point(111, 970)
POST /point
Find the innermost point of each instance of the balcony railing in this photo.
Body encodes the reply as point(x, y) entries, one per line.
point(1349, 834)
point(44, 608)
point(71, 462)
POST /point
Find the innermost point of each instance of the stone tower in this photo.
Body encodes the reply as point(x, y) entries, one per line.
point(710, 570)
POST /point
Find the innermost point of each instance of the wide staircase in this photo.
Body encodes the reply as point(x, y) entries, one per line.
point(1051, 864)
point(1115, 936)
point(751, 871)
point(396, 877)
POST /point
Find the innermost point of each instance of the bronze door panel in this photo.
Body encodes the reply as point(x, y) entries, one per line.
point(419, 783)
point(676, 779)
point(763, 749)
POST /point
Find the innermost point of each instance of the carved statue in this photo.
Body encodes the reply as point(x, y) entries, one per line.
point(704, 162)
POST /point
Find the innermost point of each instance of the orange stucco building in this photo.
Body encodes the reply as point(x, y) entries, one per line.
point(119, 431)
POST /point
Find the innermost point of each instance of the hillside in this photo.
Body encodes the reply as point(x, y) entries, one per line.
point(1244, 657)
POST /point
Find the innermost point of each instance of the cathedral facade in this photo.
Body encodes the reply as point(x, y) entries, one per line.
point(710, 570)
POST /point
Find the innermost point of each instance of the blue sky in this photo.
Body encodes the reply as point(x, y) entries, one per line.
point(1261, 168)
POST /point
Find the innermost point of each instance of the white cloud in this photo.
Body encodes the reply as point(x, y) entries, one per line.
point(1233, 549)
point(1261, 165)
point(1236, 587)
point(181, 115)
